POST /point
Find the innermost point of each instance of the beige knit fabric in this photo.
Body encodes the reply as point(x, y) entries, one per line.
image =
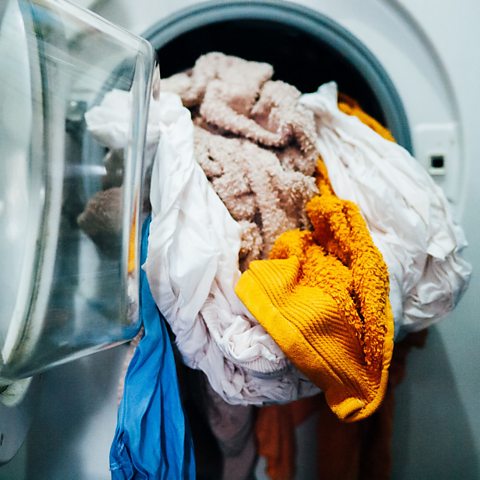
point(259, 193)
point(255, 143)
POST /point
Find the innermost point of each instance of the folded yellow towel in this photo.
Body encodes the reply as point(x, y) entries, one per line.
point(323, 297)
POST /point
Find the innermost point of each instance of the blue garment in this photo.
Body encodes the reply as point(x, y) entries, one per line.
point(152, 440)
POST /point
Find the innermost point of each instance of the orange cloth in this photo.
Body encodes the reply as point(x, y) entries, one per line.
point(345, 451)
point(275, 434)
point(323, 297)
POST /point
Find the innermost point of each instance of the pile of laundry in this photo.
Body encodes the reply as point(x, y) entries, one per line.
point(291, 242)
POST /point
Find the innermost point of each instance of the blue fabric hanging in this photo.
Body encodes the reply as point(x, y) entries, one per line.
point(152, 440)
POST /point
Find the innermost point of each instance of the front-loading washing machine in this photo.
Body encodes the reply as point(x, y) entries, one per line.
point(413, 66)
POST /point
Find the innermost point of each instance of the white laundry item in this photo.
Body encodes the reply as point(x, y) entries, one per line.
point(110, 122)
point(192, 262)
point(406, 212)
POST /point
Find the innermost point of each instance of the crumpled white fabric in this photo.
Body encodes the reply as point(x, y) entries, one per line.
point(110, 121)
point(406, 212)
point(192, 261)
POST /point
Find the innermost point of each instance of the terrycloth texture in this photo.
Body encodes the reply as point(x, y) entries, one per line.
point(407, 214)
point(345, 451)
point(323, 296)
point(263, 175)
point(152, 440)
point(238, 97)
point(192, 267)
point(101, 219)
point(275, 120)
point(248, 77)
point(264, 197)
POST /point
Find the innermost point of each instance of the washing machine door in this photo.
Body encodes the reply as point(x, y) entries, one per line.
point(70, 209)
point(69, 218)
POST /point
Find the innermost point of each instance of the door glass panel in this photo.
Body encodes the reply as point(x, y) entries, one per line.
point(70, 209)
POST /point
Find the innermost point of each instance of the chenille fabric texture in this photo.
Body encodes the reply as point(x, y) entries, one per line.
point(255, 143)
point(323, 297)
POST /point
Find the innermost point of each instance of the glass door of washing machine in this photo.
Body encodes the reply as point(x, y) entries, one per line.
point(70, 208)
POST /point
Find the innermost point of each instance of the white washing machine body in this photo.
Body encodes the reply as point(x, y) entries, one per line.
point(425, 55)
point(428, 51)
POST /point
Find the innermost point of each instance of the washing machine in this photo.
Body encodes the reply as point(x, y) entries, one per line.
point(413, 66)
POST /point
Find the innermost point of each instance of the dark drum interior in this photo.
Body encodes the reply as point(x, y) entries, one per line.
point(298, 57)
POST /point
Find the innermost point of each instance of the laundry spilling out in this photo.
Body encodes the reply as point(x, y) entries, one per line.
point(295, 252)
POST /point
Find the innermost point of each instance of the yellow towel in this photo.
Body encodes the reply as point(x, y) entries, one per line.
point(323, 297)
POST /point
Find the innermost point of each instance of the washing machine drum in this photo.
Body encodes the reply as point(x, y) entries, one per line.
point(305, 48)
